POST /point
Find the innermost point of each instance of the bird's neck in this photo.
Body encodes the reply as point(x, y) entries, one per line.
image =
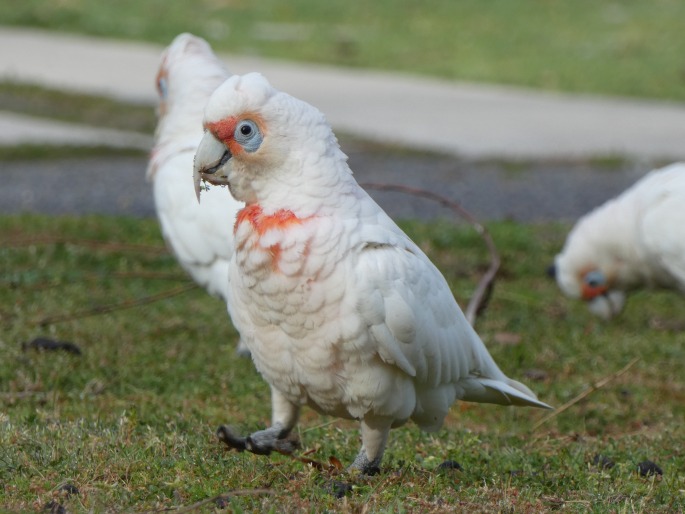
point(320, 185)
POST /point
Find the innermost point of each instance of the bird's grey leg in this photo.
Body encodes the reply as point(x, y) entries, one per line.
point(242, 350)
point(375, 430)
point(275, 438)
point(283, 418)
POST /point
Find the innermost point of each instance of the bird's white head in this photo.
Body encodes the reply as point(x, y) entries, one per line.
point(264, 144)
point(586, 269)
point(188, 73)
point(188, 69)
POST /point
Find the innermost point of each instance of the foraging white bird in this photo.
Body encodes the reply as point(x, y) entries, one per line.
point(339, 308)
point(189, 72)
point(634, 240)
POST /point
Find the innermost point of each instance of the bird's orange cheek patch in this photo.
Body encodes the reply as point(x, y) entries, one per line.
point(589, 292)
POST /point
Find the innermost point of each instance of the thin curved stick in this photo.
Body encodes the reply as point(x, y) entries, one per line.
point(110, 246)
point(594, 387)
point(480, 297)
point(127, 304)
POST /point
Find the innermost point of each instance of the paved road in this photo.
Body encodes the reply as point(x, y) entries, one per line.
point(469, 120)
point(490, 190)
point(477, 129)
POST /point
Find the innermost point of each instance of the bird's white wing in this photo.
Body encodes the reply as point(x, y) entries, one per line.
point(418, 327)
point(413, 315)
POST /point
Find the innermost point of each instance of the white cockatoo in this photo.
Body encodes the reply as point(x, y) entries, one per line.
point(634, 240)
point(200, 236)
point(339, 308)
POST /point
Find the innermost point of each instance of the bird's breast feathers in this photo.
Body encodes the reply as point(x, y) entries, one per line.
point(271, 243)
point(295, 302)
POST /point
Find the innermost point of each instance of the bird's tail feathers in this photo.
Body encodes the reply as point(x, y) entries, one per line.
point(511, 392)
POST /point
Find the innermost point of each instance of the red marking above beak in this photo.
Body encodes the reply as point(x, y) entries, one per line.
point(223, 129)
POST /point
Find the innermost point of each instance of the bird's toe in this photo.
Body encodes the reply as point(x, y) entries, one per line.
point(228, 436)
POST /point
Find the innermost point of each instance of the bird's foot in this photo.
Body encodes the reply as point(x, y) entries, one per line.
point(227, 436)
point(363, 465)
point(262, 442)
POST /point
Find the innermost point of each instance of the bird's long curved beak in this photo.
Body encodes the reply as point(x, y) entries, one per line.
point(210, 163)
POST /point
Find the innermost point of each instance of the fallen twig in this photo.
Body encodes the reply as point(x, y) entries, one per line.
point(481, 295)
point(59, 281)
point(586, 393)
point(92, 243)
point(104, 309)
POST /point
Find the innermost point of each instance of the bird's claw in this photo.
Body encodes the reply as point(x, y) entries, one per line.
point(227, 436)
point(262, 442)
point(284, 446)
point(363, 465)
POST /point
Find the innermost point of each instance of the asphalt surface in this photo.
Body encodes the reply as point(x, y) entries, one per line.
point(490, 190)
point(477, 130)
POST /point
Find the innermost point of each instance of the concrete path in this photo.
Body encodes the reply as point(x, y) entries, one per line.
point(469, 120)
point(16, 129)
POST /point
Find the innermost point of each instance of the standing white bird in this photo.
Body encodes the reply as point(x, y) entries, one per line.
point(189, 72)
point(339, 308)
point(634, 240)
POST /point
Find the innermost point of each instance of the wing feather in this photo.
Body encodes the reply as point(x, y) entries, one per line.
point(421, 320)
point(418, 327)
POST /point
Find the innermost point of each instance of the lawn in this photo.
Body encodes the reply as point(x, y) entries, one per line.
point(628, 47)
point(128, 424)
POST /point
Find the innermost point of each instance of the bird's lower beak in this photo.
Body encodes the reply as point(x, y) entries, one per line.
point(607, 305)
point(210, 163)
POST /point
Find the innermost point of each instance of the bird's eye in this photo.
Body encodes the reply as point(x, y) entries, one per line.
point(248, 135)
point(162, 87)
point(594, 279)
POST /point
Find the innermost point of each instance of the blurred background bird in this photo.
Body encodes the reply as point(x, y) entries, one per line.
point(339, 308)
point(634, 240)
point(201, 236)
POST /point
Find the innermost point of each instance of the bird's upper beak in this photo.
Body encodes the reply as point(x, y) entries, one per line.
point(210, 163)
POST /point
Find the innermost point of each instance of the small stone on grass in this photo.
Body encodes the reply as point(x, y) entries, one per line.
point(602, 461)
point(450, 464)
point(648, 468)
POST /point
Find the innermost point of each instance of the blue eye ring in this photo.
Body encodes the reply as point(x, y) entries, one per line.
point(594, 278)
point(162, 87)
point(248, 135)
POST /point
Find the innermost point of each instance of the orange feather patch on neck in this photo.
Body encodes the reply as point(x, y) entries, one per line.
point(253, 214)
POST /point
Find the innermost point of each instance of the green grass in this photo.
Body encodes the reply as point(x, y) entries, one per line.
point(130, 423)
point(97, 111)
point(43, 152)
point(629, 47)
